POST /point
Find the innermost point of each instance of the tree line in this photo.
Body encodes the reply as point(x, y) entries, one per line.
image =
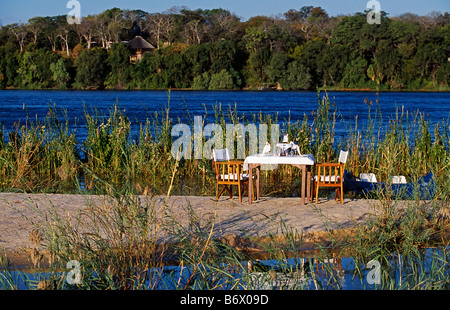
point(214, 49)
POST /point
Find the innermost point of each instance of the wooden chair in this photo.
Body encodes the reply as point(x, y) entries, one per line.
point(229, 173)
point(220, 155)
point(331, 175)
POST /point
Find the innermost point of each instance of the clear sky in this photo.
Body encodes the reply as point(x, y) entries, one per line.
point(21, 10)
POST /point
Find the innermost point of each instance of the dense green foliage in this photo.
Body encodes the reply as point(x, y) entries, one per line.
point(214, 49)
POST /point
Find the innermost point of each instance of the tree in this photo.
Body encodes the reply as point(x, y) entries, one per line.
point(348, 33)
point(194, 31)
point(116, 24)
point(35, 26)
point(281, 37)
point(305, 48)
point(221, 81)
point(140, 72)
point(64, 35)
point(334, 59)
point(20, 32)
point(291, 74)
point(256, 44)
point(387, 61)
point(101, 29)
point(34, 69)
point(311, 56)
point(50, 30)
point(199, 58)
point(310, 20)
point(9, 64)
point(167, 28)
point(372, 35)
point(108, 25)
point(405, 33)
point(87, 29)
point(119, 62)
point(255, 39)
point(201, 82)
point(223, 55)
point(429, 58)
point(92, 68)
point(355, 73)
point(221, 24)
point(134, 20)
point(297, 77)
point(277, 67)
point(159, 25)
point(77, 50)
point(60, 74)
point(167, 68)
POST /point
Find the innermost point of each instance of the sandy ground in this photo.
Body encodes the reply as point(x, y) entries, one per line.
point(20, 213)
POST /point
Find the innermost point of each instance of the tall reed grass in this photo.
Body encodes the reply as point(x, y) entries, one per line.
point(46, 155)
point(123, 243)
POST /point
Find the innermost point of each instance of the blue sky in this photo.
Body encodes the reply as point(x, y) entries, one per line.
point(21, 10)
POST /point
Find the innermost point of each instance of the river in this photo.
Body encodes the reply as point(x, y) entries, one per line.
point(17, 105)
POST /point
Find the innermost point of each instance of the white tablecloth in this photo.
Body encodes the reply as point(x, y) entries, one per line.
point(270, 162)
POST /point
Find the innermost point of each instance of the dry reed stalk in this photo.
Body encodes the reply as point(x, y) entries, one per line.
point(203, 252)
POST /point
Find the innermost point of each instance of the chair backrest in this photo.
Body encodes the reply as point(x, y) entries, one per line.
point(343, 157)
point(368, 177)
point(399, 179)
point(221, 155)
point(228, 171)
point(330, 174)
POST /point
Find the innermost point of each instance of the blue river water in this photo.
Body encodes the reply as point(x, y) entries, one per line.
point(404, 273)
point(17, 105)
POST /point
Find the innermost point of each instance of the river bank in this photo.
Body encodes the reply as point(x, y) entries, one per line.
point(22, 215)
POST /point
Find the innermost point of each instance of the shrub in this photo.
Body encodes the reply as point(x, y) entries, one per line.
point(221, 81)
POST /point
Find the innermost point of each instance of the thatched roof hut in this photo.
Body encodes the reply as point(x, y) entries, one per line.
point(140, 43)
point(140, 46)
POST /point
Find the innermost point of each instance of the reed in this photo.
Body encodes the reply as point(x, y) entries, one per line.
point(130, 241)
point(40, 154)
point(115, 243)
point(45, 155)
point(120, 243)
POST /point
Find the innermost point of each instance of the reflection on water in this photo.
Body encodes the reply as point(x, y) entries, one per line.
point(426, 270)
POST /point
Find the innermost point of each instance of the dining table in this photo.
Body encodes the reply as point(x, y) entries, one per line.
point(271, 162)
